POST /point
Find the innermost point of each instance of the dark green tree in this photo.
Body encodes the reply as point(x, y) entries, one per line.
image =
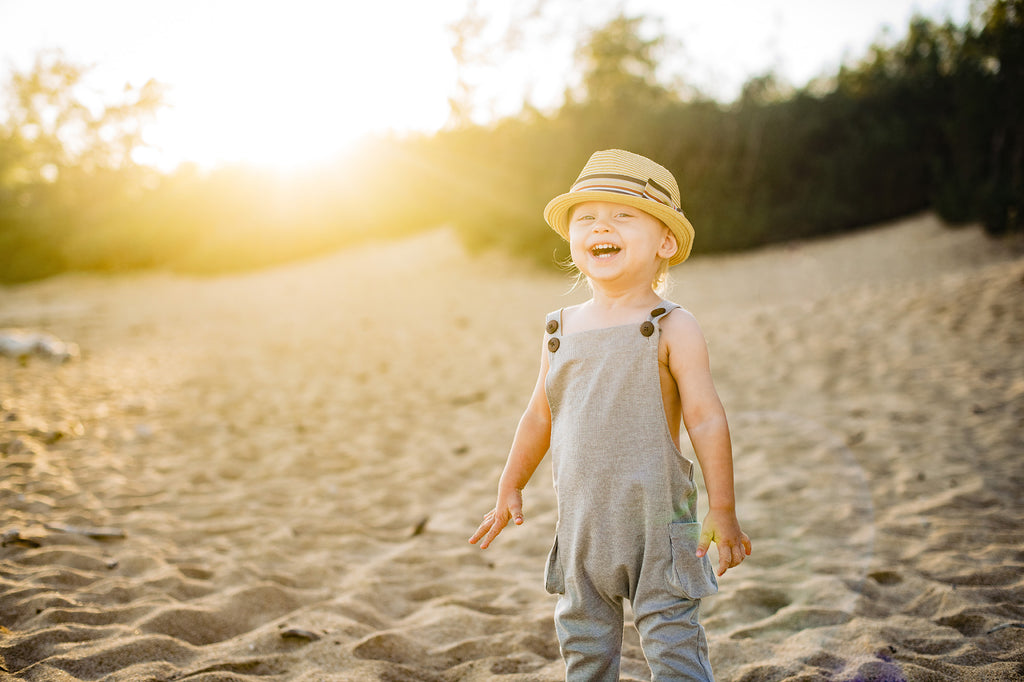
point(983, 172)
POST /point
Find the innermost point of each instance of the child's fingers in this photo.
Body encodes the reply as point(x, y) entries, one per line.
point(494, 523)
point(731, 555)
point(497, 525)
point(704, 544)
point(725, 553)
point(483, 527)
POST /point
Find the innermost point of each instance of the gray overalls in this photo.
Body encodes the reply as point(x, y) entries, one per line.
point(627, 526)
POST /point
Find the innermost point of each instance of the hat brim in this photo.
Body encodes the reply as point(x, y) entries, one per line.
point(556, 213)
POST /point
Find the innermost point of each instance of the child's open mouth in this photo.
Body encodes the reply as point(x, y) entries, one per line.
point(604, 250)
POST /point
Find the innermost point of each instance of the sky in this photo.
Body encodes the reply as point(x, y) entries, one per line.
point(287, 83)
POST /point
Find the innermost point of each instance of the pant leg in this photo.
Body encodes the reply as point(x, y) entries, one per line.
point(673, 640)
point(589, 635)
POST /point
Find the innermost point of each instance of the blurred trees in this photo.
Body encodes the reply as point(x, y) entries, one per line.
point(54, 129)
point(619, 66)
point(73, 197)
point(931, 121)
point(981, 171)
point(66, 169)
point(464, 34)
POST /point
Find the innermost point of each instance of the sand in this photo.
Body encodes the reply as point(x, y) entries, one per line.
point(272, 476)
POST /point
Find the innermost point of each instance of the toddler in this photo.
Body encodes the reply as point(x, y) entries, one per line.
point(617, 376)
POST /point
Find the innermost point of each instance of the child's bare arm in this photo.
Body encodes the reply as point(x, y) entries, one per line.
point(706, 425)
point(533, 436)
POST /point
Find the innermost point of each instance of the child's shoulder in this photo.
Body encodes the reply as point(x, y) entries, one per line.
point(680, 325)
point(677, 313)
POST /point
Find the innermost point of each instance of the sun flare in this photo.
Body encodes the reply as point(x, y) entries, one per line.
point(283, 85)
point(289, 89)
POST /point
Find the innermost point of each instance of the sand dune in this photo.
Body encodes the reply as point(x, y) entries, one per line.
point(272, 476)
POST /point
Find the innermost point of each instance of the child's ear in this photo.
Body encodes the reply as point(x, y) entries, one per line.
point(669, 245)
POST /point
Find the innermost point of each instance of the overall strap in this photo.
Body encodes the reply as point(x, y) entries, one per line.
point(553, 329)
point(663, 309)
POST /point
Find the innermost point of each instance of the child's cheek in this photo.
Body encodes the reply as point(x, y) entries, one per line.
point(577, 253)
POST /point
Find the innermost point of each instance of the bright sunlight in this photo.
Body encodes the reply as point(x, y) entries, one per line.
point(290, 89)
point(283, 85)
point(274, 85)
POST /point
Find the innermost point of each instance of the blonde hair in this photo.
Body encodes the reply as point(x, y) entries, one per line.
point(662, 279)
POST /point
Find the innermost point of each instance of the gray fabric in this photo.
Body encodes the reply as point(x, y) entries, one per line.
point(627, 525)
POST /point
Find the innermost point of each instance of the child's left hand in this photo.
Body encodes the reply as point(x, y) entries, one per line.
point(723, 528)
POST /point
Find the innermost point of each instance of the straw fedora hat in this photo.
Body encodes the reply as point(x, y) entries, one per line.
point(626, 178)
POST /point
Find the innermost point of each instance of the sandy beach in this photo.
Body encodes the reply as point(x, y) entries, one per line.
point(273, 475)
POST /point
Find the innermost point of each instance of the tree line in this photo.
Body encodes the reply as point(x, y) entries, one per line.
point(931, 121)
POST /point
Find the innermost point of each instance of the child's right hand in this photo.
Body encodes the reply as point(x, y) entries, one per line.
point(723, 528)
point(509, 507)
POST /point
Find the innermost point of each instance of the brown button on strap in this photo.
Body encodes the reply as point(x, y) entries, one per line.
point(553, 344)
point(552, 326)
point(657, 311)
point(647, 328)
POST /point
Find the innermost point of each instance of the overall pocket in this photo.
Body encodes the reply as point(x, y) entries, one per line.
point(689, 576)
point(554, 579)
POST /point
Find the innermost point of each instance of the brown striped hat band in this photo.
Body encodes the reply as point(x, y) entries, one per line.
point(624, 184)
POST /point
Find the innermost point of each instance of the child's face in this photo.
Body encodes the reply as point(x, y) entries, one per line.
point(609, 241)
